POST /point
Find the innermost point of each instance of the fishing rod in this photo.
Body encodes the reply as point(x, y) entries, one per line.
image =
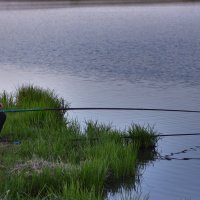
point(137, 136)
point(6, 141)
point(111, 108)
point(180, 134)
point(164, 135)
point(99, 108)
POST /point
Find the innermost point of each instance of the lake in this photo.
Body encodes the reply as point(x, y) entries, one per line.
point(117, 56)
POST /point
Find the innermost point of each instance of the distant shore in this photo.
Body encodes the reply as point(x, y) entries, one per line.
point(26, 4)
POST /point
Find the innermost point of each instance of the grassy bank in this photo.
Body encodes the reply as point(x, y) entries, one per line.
point(56, 158)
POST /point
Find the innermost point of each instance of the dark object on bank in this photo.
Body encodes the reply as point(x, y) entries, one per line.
point(7, 141)
point(2, 117)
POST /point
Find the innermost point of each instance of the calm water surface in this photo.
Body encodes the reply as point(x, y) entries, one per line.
point(131, 56)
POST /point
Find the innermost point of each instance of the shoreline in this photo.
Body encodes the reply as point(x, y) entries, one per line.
point(47, 156)
point(45, 4)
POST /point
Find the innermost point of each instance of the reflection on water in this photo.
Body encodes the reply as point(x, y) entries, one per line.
point(171, 155)
point(130, 56)
point(130, 187)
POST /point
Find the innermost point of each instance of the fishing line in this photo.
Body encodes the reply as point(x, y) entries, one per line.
point(132, 137)
point(100, 108)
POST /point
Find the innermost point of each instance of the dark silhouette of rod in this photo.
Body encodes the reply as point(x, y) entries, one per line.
point(137, 136)
point(181, 134)
point(167, 135)
point(100, 108)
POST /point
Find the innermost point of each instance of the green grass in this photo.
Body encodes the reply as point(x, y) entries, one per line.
point(56, 158)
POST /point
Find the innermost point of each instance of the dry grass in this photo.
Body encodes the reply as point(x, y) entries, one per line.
point(38, 165)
